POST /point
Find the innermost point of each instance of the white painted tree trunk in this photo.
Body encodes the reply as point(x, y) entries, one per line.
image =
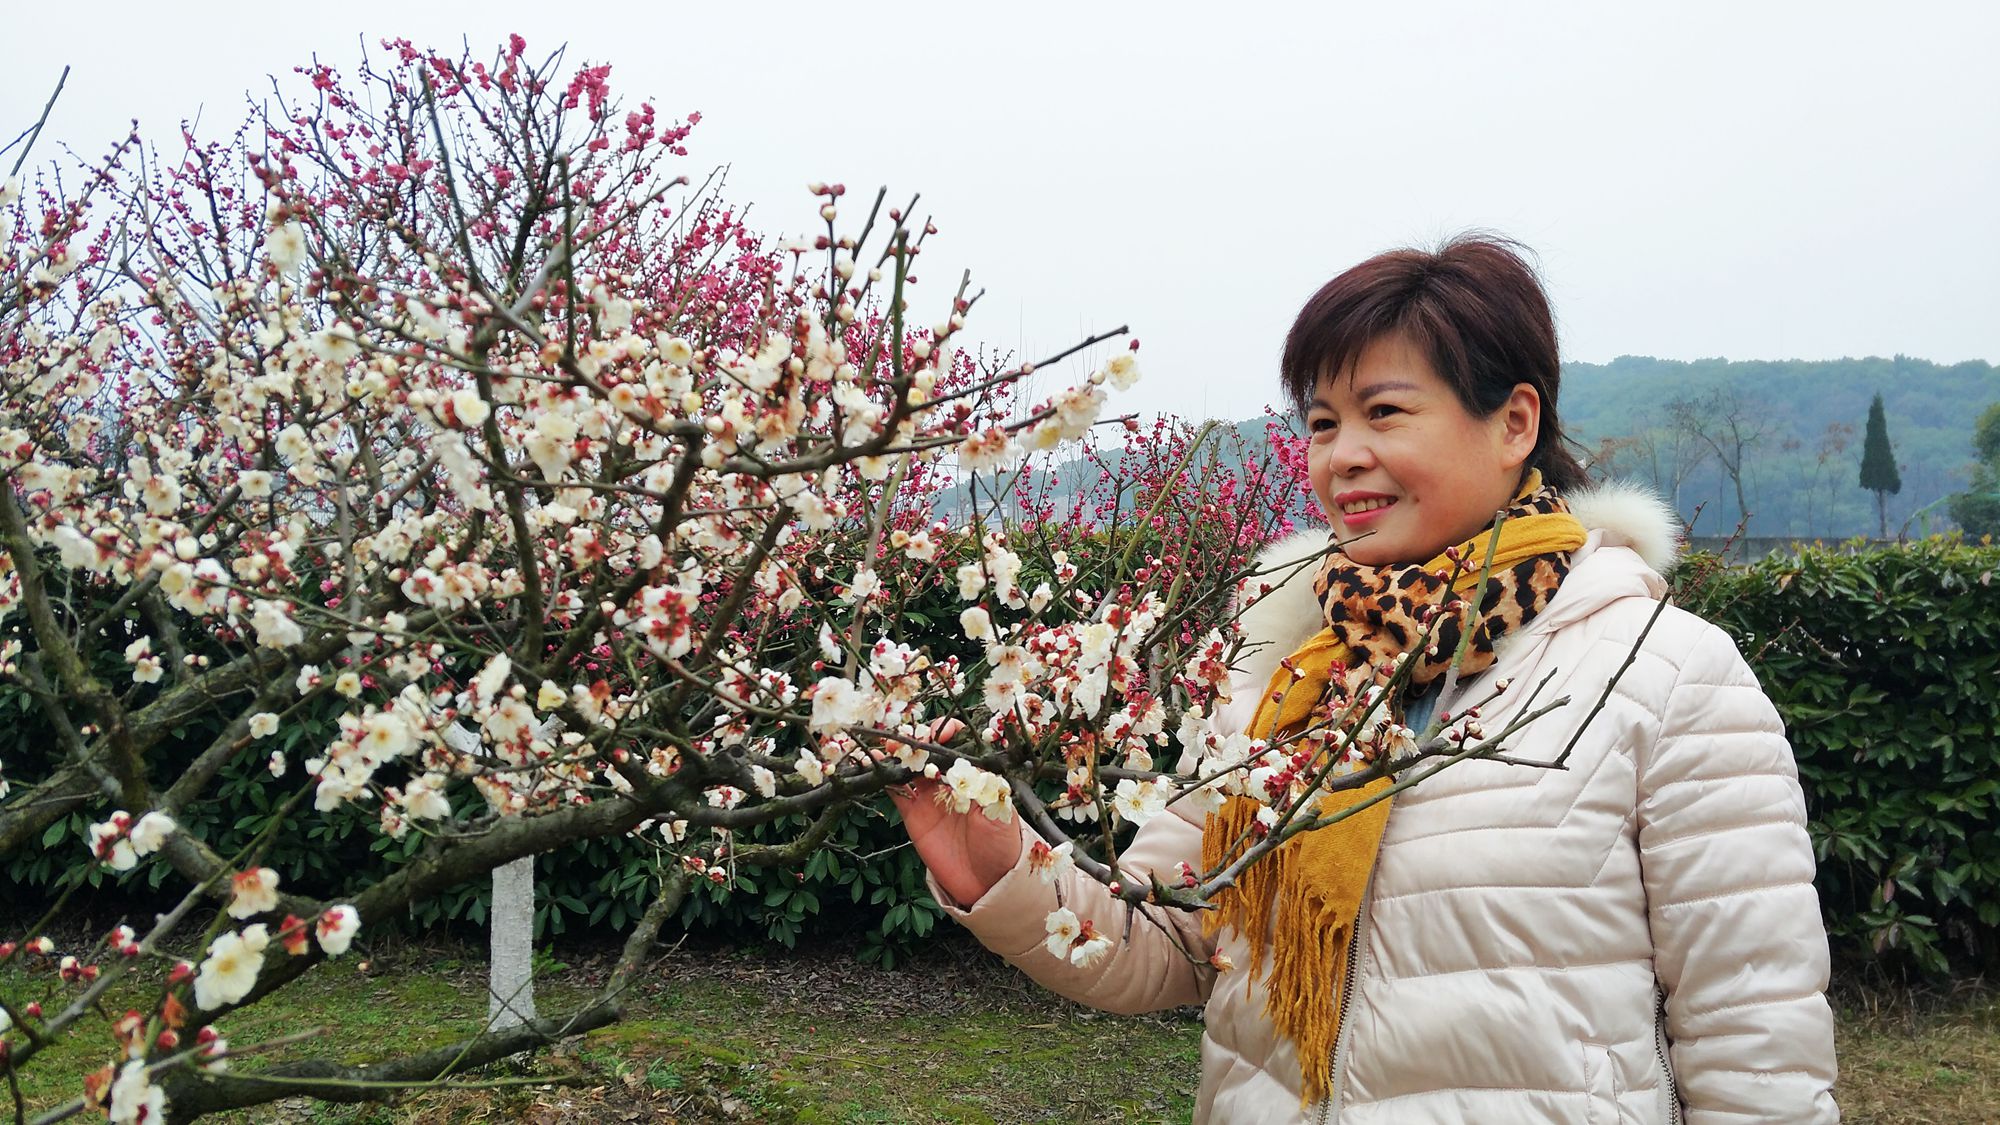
point(511, 928)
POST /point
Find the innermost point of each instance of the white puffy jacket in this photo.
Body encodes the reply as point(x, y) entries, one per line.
point(1634, 939)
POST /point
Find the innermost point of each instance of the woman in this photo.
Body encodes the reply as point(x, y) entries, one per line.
point(1631, 938)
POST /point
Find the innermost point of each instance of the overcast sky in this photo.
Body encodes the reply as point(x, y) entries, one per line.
point(1752, 180)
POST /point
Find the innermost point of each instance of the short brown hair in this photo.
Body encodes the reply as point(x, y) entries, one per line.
point(1475, 309)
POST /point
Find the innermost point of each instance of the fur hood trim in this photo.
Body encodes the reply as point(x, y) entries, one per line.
point(1632, 515)
point(1620, 513)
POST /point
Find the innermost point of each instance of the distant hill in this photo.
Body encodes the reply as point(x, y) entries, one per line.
point(1801, 471)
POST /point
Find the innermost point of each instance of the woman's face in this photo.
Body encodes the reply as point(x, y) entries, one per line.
point(1400, 467)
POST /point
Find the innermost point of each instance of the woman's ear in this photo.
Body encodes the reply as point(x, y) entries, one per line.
point(1520, 420)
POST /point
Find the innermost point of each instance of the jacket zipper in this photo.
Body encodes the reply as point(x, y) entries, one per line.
point(1666, 1065)
point(1329, 1109)
point(1331, 1105)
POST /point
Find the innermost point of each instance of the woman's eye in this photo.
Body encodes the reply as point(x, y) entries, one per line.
point(1320, 425)
point(1383, 410)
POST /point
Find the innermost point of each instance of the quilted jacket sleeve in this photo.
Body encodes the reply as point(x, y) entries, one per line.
point(1158, 958)
point(1728, 867)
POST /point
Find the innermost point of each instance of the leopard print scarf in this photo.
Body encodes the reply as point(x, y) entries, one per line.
point(1379, 612)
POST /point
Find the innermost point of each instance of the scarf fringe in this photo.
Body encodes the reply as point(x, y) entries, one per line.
point(1300, 907)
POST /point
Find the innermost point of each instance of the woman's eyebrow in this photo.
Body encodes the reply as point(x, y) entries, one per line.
point(1384, 387)
point(1370, 391)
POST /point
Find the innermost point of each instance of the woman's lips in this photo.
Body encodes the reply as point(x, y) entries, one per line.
point(1363, 519)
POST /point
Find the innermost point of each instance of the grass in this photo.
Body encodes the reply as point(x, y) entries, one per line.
point(822, 1040)
point(1925, 1059)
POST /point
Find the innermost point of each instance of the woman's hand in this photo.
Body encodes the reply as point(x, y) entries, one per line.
point(966, 852)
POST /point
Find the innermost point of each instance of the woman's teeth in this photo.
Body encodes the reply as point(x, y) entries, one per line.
point(1360, 506)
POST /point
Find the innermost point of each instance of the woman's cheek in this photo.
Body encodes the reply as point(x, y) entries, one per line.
point(1320, 475)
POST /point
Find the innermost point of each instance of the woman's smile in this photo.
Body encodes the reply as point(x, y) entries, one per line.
point(1360, 509)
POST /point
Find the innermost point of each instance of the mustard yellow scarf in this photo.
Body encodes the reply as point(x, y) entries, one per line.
point(1298, 906)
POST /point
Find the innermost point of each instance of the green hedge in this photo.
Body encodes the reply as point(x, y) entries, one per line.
point(1885, 664)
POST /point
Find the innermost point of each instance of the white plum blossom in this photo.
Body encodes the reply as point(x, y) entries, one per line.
point(676, 350)
point(1005, 567)
point(134, 1098)
point(120, 843)
point(1063, 928)
point(336, 345)
point(977, 623)
point(1039, 600)
point(549, 696)
point(971, 580)
point(967, 787)
point(1122, 370)
point(336, 929)
point(468, 408)
point(1052, 865)
point(920, 546)
point(1090, 950)
point(866, 583)
point(230, 970)
point(811, 769)
point(424, 799)
point(386, 735)
point(146, 668)
point(110, 842)
point(274, 625)
point(263, 724)
point(254, 892)
point(990, 449)
point(285, 247)
point(491, 678)
point(150, 833)
point(1203, 800)
point(293, 444)
point(1137, 802)
point(839, 704)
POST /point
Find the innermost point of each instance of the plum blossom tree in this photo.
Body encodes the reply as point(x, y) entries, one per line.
point(438, 398)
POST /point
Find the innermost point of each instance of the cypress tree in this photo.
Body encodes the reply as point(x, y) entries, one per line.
point(1878, 463)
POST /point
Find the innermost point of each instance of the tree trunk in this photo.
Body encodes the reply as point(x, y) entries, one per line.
point(1742, 505)
point(511, 926)
point(1882, 511)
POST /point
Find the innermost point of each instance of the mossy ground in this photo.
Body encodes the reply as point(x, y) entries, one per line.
point(955, 1037)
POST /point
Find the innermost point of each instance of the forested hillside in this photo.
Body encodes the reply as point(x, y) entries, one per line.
point(1799, 426)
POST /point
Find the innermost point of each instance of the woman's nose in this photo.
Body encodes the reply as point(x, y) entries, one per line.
point(1351, 453)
